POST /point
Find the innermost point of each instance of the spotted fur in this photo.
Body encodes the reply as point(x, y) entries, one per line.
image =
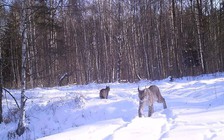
point(149, 96)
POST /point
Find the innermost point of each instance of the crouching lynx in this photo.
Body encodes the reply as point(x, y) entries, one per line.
point(149, 96)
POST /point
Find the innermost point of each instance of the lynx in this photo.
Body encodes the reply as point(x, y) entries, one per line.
point(149, 96)
point(104, 93)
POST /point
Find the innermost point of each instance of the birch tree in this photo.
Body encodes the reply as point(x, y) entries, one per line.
point(21, 125)
point(199, 32)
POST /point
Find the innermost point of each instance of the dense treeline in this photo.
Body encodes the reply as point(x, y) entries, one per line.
point(83, 41)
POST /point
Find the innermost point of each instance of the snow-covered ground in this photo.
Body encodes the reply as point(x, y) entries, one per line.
point(75, 112)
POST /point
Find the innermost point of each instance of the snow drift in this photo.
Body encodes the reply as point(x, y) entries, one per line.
point(195, 111)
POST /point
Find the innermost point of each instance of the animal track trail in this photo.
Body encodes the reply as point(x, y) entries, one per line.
point(110, 136)
point(214, 132)
point(165, 131)
point(170, 123)
point(169, 115)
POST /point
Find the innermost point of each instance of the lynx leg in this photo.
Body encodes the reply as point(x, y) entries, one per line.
point(140, 109)
point(164, 104)
point(101, 96)
point(151, 110)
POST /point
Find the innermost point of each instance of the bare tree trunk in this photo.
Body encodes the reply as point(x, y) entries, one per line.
point(21, 125)
point(174, 40)
point(86, 56)
point(1, 76)
point(160, 52)
point(96, 50)
point(221, 32)
point(1, 84)
point(118, 70)
point(14, 64)
point(145, 54)
point(31, 51)
point(199, 32)
point(120, 42)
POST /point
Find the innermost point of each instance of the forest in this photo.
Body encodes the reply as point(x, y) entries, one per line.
point(47, 43)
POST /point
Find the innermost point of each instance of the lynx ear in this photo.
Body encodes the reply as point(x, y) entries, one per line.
point(139, 89)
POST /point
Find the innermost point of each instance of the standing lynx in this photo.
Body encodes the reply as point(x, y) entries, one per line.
point(149, 96)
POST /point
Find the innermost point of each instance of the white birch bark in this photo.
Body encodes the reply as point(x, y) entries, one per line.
point(21, 125)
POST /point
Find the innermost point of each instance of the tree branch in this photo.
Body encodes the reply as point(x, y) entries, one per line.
point(12, 96)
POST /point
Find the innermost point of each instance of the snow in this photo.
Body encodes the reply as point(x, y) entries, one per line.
point(75, 112)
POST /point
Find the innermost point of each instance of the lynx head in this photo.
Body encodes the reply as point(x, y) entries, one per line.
point(141, 94)
point(107, 88)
